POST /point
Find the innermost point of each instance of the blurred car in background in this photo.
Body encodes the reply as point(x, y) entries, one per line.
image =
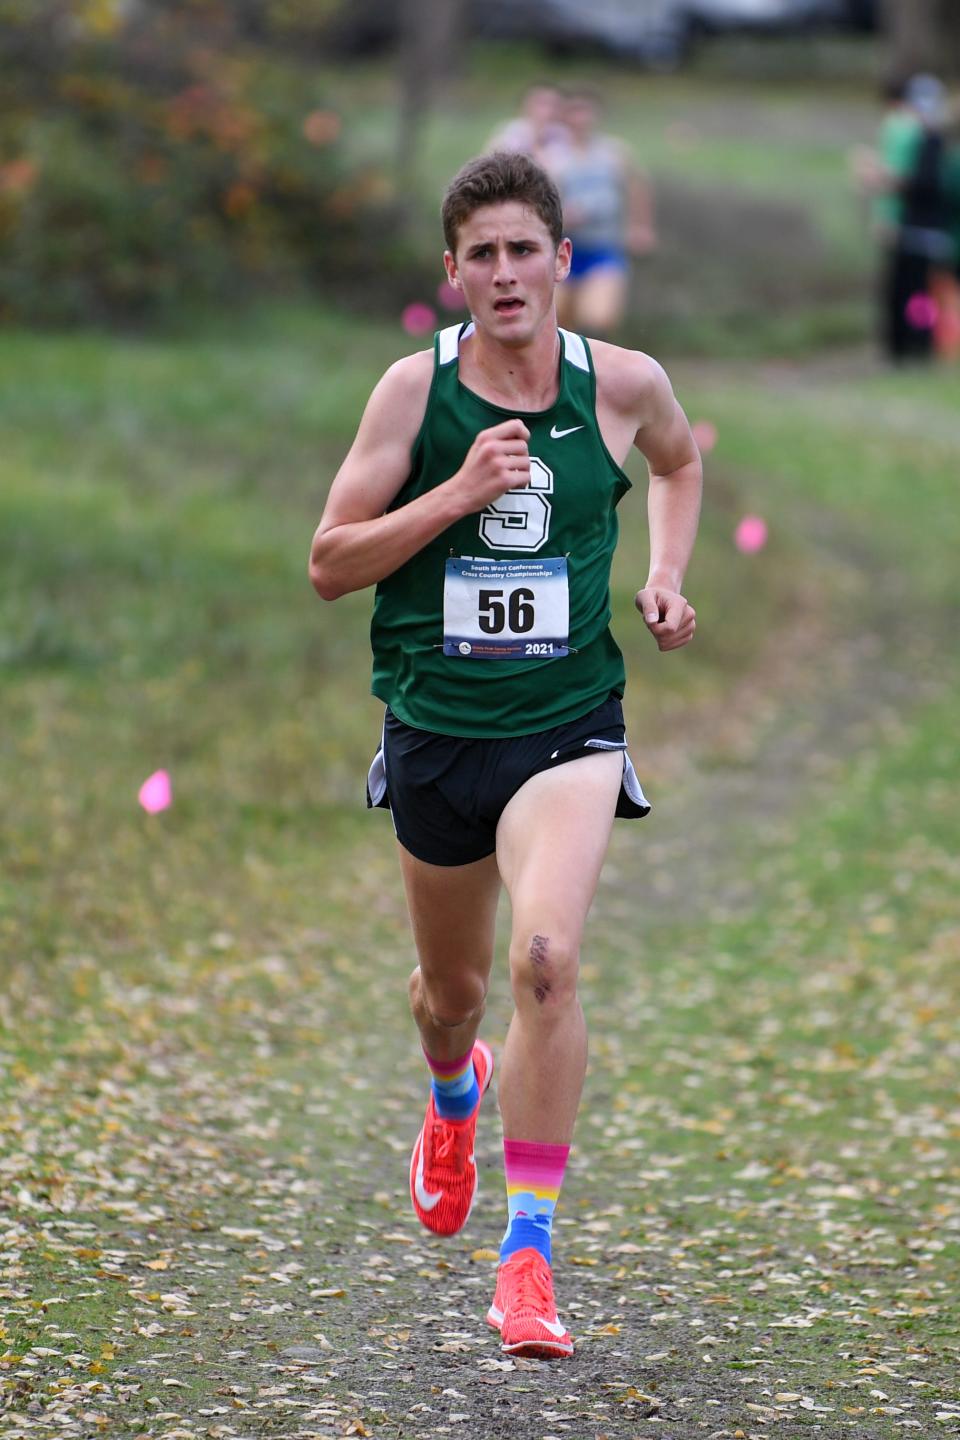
point(655, 33)
point(779, 15)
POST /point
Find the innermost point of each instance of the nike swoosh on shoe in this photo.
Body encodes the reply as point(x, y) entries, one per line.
point(424, 1197)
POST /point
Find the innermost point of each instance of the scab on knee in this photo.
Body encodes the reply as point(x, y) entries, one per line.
point(544, 967)
point(540, 960)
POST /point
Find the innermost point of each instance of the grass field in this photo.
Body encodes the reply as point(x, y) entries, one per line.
point(203, 1019)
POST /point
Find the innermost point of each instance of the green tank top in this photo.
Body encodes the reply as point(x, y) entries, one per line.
point(499, 626)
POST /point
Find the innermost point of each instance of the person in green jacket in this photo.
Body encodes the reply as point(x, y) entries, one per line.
point(905, 178)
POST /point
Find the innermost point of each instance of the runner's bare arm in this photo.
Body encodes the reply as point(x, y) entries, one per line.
point(636, 406)
point(357, 543)
point(673, 511)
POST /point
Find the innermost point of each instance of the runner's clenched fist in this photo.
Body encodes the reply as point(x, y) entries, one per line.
point(497, 461)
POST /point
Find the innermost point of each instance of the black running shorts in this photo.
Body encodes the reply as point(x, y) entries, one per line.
point(446, 794)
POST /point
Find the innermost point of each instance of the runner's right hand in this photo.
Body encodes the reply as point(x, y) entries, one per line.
point(497, 461)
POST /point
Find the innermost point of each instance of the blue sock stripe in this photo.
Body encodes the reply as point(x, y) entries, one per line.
point(527, 1232)
point(455, 1107)
point(457, 1098)
point(460, 1086)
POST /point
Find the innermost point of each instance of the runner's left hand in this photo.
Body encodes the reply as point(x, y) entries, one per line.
point(671, 620)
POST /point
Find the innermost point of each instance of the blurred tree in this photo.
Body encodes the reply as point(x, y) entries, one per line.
point(156, 151)
point(923, 35)
point(431, 41)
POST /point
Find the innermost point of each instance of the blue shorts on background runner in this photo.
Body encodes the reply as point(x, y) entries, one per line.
point(585, 259)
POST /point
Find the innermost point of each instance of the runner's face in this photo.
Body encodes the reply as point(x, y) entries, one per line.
point(507, 266)
point(542, 107)
point(581, 118)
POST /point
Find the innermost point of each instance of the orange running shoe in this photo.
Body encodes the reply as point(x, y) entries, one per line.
point(443, 1172)
point(524, 1310)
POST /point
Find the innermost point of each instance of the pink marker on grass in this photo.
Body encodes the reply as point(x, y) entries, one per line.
point(921, 312)
point(156, 793)
point(418, 319)
point(750, 535)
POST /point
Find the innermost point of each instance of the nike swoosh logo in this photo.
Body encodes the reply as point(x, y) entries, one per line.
point(556, 434)
point(556, 1327)
point(424, 1198)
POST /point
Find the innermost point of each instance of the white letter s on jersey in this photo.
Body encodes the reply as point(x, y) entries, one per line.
point(520, 519)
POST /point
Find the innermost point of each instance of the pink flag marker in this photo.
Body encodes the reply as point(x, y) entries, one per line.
point(705, 434)
point(750, 535)
point(921, 312)
point(156, 792)
point(418, 319)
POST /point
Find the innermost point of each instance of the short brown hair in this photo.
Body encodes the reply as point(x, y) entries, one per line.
point(492, 179)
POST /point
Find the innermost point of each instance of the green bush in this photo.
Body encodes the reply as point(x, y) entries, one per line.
point(168, 152)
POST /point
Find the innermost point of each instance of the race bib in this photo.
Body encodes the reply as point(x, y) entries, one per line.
point(506, 609)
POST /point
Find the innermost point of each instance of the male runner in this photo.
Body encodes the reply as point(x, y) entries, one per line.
point(608, 215)
point(479, 496)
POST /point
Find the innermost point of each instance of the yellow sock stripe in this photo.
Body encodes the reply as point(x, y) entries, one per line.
point(448, 1079)
point(540, 1192)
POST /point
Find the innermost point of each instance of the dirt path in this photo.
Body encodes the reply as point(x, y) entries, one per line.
point(318, 1306)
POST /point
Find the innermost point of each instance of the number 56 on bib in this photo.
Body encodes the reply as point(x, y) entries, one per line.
point(506, 609)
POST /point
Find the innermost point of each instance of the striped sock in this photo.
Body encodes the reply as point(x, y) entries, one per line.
point(534, 1175)
point(455, 1088)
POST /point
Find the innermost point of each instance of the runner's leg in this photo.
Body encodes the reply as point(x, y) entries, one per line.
point(453, 911)
point(551, 842)
point(602, 300)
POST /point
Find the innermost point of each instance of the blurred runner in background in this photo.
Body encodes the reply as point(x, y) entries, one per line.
point(608, 215)
point(907, 177)
point(539, 130)
point(947, 332)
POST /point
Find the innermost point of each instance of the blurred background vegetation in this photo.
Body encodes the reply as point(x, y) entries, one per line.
point(159, 156)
